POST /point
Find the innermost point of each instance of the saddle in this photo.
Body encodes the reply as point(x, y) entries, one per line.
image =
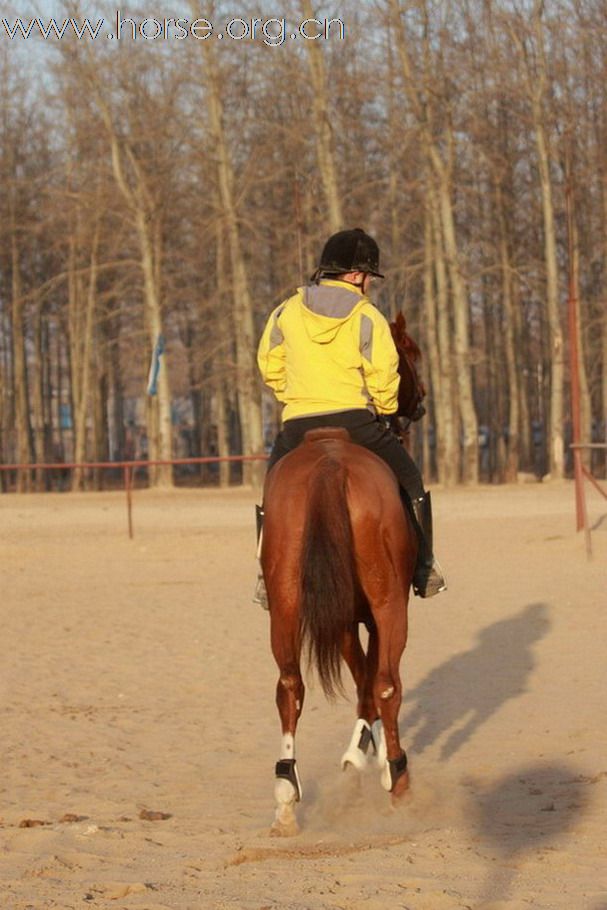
point(327, 433)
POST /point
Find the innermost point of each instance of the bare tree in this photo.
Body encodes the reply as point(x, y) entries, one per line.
point(243, 328)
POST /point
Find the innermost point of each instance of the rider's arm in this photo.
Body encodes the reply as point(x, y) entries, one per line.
point(271, 355)
point(379, 360)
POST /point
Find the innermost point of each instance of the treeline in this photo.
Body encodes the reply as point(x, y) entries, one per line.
point(182, 189)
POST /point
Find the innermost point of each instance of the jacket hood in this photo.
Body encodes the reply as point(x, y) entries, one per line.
point(326, 306)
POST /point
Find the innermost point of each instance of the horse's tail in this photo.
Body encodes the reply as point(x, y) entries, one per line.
point(328, 573)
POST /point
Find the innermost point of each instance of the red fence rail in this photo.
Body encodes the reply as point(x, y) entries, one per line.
point(128, 467)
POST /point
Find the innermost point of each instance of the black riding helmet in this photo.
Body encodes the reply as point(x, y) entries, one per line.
point(349, 251)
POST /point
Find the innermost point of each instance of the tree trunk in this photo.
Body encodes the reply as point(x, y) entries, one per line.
point(22, 415)
point(574, 290)
point(247, 381)
point(82, 343)
point(323, 130)
point(430, 344)
point(100, 420)
point(143, 210)
point(39, 424)
point(537, 77)
point(557, 451)
point(434, 339)
point(115, 388)
point(604, 390)
point(442, 175)
point(448, 455)
point(509, 326)
point(161, 439)
point(223, 435)
point(603, 322)
point(460, 325)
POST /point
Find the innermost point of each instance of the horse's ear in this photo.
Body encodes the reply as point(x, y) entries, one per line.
point(400, 323)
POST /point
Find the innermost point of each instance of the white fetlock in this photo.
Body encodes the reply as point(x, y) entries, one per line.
point(356, 753)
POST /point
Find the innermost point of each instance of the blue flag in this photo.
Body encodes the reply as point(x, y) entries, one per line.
point(155, 365)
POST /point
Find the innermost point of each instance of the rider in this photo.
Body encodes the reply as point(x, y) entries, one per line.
point(327, 354)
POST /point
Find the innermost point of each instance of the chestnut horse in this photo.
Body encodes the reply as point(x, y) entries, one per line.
point(338, 549)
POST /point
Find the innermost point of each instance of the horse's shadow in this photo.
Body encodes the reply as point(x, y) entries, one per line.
point(457, 697)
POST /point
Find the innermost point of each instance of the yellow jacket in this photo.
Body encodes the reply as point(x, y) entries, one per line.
point(328, 349)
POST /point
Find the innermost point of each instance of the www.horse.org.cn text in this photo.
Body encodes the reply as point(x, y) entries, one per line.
point(273, 32)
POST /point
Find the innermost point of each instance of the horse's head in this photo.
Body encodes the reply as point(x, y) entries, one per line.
point(411, 391)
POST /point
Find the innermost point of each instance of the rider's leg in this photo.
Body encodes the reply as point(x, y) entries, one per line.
point(428, 579)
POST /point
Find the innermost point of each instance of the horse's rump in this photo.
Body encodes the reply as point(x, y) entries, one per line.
point(335, 536)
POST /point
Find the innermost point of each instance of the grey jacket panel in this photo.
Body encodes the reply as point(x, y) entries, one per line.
point(336, 303)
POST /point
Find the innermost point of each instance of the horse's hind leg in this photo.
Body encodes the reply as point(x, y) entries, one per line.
point(289, 700)
point(359, 664)
point(388, 692)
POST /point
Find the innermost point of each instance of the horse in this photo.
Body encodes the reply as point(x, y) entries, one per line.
point(338, 550)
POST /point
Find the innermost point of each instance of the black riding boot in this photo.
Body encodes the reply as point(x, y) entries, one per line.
point(428, 579)
point(261, 595)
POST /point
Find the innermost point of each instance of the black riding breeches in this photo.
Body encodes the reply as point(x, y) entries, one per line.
point(364, 429)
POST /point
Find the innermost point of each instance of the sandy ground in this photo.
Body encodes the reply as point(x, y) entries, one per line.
point(136, 675)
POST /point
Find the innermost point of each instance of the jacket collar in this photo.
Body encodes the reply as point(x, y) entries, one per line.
point(333, 283)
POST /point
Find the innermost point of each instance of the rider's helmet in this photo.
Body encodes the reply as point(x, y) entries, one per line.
point(349, 251)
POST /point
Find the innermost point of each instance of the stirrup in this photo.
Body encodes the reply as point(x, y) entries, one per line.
point(429, 580)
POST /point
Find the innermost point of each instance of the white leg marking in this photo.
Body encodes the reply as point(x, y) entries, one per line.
point(287, 746)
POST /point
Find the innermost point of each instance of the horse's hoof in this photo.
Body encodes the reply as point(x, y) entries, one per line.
point(284, 829)
point(400, 790)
